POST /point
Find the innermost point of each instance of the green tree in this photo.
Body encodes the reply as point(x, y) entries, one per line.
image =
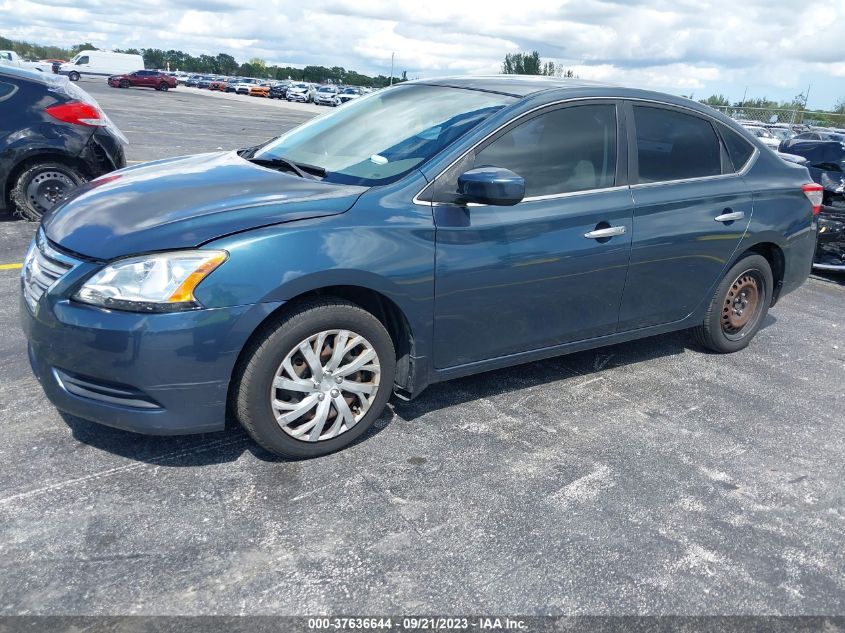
point(87, 46)
point(716, 100)
point(531, 64)
point(154, 58)
point(226, 64)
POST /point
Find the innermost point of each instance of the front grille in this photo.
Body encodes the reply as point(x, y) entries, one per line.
point(42, 268)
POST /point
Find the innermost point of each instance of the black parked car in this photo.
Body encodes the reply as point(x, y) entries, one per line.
point(278, 91)
point(826, 162)
point(819, 135)
point(53, 137)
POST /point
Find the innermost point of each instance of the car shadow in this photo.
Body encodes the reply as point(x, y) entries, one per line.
point(188, 451)
point(830, 277)
point(185, 451)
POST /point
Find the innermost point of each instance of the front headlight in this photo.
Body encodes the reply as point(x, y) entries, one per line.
point(160, 282)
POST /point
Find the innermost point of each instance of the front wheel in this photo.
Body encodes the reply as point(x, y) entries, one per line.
point(163, 87)
point(315, 381)
point(124, 83)
point(40, 187)
point(73, 75)
point(739, 306)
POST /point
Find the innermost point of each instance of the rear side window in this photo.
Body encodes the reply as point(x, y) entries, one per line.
point(675, 146)
point(739, 150)
point(562, 151)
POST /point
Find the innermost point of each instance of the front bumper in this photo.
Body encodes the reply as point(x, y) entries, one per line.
point(161, 374)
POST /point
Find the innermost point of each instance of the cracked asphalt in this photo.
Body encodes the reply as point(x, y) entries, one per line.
point(644, 478)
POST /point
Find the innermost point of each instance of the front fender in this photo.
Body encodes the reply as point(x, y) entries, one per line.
point(367, 247)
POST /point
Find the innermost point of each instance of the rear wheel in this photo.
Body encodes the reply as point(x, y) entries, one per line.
point(739, 306)
point(42, 186)
point(315, 381)
point(124, 83)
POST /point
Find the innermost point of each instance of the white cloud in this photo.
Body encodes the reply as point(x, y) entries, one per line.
point(775, 49)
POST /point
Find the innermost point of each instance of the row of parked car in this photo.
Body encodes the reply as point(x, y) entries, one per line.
point(774, 134)
point(303, 92)
point(822, 151)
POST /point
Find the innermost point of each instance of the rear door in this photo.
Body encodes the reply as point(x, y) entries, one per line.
point(691, 208)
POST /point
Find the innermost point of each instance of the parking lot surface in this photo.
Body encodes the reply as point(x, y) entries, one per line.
point(644, 478)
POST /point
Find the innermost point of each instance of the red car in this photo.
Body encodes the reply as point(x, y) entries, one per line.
point(143, 79)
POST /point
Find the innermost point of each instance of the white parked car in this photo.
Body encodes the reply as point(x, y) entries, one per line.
point(768, 139)
point(11, 58)
point(243, 86)
point(349, 93)
point(100, 63)
point(326, 95)
point(301, 92)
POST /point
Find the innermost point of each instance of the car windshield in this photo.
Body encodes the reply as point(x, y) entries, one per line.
point(350, 91)
point(326, 89)
point(379, 138)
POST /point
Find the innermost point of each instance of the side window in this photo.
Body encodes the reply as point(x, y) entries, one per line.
point(562, 151)
point(82, 60)
point(675, 146)
point(739, 150)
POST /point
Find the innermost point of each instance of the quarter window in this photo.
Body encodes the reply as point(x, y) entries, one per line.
point(562, 151)
point(675, 146)
point(739, 150)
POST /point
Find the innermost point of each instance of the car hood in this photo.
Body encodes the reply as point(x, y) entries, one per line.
point(184, 202)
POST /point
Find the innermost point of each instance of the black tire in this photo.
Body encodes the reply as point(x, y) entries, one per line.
point(124, 83)
point(721, 330)
point(27, 207)
point(261, 360)
point(73, 75)
point(163, 87)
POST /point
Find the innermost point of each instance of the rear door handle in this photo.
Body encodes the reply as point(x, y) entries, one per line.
point(730, 216)
point(608, 232)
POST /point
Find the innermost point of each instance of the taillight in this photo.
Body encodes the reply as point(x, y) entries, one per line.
point(814, 193)
point(77, 112)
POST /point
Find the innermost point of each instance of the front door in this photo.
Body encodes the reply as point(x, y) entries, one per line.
point(534, 275)
point(690, 212)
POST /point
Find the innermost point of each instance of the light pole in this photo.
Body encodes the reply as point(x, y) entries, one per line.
point(391, 68)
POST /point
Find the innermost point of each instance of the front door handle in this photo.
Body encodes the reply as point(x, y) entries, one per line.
point(730, 216)
point(608, 232)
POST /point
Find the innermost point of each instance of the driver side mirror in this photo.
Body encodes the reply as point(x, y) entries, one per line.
point(491, 185)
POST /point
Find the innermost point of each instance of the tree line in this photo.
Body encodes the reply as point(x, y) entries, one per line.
point(220, 64)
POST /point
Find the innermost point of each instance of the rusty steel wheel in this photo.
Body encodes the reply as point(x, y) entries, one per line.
point(742, 305)
point(738, 307)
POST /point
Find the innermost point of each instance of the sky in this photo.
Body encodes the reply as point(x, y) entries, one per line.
point(771, 48)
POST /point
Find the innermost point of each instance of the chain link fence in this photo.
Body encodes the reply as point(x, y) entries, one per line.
point(771, 116)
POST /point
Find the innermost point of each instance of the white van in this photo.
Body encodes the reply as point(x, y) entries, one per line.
point(100, 63)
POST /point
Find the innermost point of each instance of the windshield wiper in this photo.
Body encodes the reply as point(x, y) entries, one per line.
point(303, 170)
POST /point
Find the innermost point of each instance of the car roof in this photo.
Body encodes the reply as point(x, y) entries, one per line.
point(25, 73)
point(513, 85)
